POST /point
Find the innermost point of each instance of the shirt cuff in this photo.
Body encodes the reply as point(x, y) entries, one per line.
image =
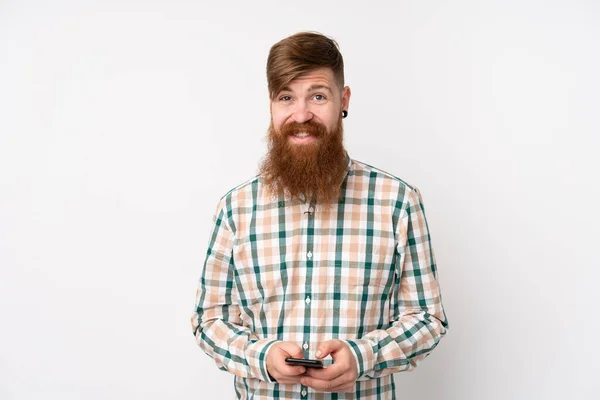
point(364, 355)
point(256, 356)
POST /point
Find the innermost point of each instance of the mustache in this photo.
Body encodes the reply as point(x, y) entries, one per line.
point(310, 127)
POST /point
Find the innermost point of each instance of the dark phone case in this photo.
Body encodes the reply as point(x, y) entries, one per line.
point(304, 362)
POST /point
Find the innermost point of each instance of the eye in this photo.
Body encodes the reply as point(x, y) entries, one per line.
point(319, 97)
point(285, 98)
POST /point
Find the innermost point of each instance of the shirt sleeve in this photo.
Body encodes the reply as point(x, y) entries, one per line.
point(417, 317)
point(216, 322)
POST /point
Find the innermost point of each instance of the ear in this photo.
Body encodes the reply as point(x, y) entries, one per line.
point(346, 98)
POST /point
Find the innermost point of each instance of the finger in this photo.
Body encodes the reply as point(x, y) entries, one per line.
point(289, 381)
point(328, 347)
point(283, 351)
point(291, 350)
point(343, 388)
point(287, 376)
point(284, 369)
point(347, 388)
point(295, 353)
point(292, 370)
point(327, 374)
point(326, 385)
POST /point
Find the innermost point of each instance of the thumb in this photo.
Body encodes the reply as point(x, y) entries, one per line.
point(328, 347)
point(293, 350)
point(296, 353)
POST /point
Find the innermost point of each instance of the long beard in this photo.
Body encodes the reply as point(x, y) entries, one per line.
point(312, 171)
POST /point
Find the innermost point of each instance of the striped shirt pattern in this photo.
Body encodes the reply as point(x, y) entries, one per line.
point(361, 271)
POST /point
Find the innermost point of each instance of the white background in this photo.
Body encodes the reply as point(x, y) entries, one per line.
point(122, 123)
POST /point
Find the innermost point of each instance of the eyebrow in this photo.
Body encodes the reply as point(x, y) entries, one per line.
point(317, 87)
point(310, 89)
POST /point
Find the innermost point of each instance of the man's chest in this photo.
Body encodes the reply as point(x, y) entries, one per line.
point(296, 249)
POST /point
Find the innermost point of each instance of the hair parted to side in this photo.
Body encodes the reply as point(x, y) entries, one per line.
point(299, 54)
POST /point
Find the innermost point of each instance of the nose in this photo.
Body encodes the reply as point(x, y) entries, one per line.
point(302, 113)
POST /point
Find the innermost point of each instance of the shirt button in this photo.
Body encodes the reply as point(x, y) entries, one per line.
point(303, 393)
point(307, 300)
point(305, 346)
point(309, 254)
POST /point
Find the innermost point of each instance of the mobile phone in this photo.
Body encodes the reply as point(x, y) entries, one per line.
point(304, 362)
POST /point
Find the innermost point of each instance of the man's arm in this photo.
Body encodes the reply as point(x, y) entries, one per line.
point(216, 323)
point(417, 318)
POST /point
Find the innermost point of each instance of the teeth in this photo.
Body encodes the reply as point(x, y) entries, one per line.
point(301, 135)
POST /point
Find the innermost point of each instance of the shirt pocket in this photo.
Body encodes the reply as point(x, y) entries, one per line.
point(364, 293)
point(368, 274)
point(372, 266)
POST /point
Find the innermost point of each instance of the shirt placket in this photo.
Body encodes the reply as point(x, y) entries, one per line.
point(309, 215)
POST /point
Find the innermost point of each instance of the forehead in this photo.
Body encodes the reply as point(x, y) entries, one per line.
point(318, 77)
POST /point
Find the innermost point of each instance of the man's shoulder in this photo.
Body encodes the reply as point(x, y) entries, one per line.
point(368, 171)
point(241, 190)
point(239, 196)
point(247, 185)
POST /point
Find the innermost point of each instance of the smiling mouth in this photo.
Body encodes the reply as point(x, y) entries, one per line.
point(301, 135)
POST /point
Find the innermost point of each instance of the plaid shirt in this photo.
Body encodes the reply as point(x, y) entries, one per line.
point(362, 271)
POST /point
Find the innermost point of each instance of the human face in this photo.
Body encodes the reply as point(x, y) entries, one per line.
point(314, 96)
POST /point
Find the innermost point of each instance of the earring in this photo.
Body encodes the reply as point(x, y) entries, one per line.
point(344, 113)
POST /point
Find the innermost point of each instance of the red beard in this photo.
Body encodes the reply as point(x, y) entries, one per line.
point(307, 171)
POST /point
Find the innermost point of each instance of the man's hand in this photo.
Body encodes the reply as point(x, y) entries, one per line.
point(338, 377)
point(278, 368)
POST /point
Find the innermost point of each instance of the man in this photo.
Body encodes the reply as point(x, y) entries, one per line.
point(320, 256)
